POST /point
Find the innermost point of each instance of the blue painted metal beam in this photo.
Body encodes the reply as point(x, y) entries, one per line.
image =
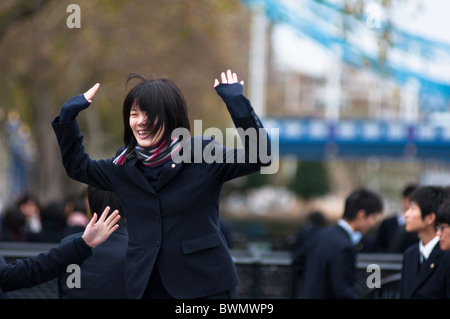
point(314, 139)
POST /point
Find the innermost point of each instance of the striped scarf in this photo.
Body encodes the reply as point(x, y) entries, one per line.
point(151, 157)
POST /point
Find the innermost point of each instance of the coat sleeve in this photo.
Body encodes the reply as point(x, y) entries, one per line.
point(24, 273)
point(256, 146)
point(76, 161)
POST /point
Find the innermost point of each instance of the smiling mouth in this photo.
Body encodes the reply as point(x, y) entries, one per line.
point(143, 134)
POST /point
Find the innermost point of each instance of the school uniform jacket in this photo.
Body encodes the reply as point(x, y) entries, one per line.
point(433, 279)
point(176, 223)
point(330, 266)
point(24, 273)
point(101, 275)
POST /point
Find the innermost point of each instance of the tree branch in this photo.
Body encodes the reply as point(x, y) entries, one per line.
point(19, 11)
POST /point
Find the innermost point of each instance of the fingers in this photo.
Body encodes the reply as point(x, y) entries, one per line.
point(112, 219)
point(228, 78)
point(224, 78)
point(113, 229)
point(91, 92)
point(104, 214)
point(93, 220)
point(112, 225)
point(232, 77)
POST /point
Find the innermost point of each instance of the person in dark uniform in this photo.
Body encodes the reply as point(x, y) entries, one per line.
point(425, 268)
point(392, 236)
point(175, 247)
point(330, 260)
point(109, 283)
point(24, 273)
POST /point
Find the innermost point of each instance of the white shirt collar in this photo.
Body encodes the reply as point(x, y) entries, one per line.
point(425, 250)
point(401, 219)
point(355, 236)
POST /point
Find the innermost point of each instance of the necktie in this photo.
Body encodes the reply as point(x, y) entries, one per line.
point(421, 260)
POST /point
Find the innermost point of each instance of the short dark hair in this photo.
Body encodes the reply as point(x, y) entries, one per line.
point(408, 190)
point(162, 101)
point(428, 198)
point(12, 220)
point(443, 213)
point(98, 200)
point(362, 199)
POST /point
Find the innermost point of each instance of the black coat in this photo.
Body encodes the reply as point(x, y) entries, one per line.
point(176, 223)
point(330, 266)
point(24, 273)
point(103, 274)
point(433, 280)
point(393, 238)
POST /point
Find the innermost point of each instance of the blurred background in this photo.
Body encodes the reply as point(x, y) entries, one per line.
point(359, 91)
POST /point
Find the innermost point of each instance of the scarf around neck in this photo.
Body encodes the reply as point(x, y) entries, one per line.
point(151, 156)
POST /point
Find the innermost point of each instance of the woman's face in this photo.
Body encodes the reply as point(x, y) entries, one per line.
point(138, 123)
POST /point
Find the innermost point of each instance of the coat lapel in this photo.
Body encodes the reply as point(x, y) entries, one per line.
point(428, 266)
point(137, 177)
point(169, 171)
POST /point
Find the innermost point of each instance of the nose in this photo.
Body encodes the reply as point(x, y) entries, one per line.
point(142, 120)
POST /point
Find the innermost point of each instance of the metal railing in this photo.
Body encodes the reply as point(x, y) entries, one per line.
point(267, 275)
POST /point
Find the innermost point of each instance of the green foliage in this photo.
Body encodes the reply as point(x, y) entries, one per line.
point(256, 180)
point(311, 179)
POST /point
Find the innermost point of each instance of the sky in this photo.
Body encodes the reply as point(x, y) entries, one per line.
point(428, 18)
point(424, 18)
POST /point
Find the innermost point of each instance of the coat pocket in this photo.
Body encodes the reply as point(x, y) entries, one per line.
point(200, 243)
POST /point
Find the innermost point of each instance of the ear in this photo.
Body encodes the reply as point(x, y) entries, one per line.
point(360, 214)
point(430, 219)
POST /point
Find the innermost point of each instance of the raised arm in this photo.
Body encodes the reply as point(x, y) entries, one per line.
point(76, 161)
point(256, 151)
point(28, 272)
point(75, 105)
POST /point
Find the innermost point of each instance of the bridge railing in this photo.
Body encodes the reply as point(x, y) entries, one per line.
point(262, 276)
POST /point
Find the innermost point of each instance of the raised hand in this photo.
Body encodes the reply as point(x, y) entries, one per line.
point(97, 232)
point(91, 92)
point(228, 78)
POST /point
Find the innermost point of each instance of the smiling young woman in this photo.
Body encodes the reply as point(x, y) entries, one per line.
point(175, 248)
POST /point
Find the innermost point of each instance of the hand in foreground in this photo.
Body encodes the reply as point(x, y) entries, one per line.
point(97, 232)
point(228, 78)
point(91, 92)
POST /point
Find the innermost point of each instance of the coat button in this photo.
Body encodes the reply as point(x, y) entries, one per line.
point(157, 243)
point(157, 219)
point(173, 165)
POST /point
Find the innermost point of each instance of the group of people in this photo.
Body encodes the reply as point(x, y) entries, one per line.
point(175, 248)
point(172, 245)
point(28, 272)
point(25, 219)
point(326, 261)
